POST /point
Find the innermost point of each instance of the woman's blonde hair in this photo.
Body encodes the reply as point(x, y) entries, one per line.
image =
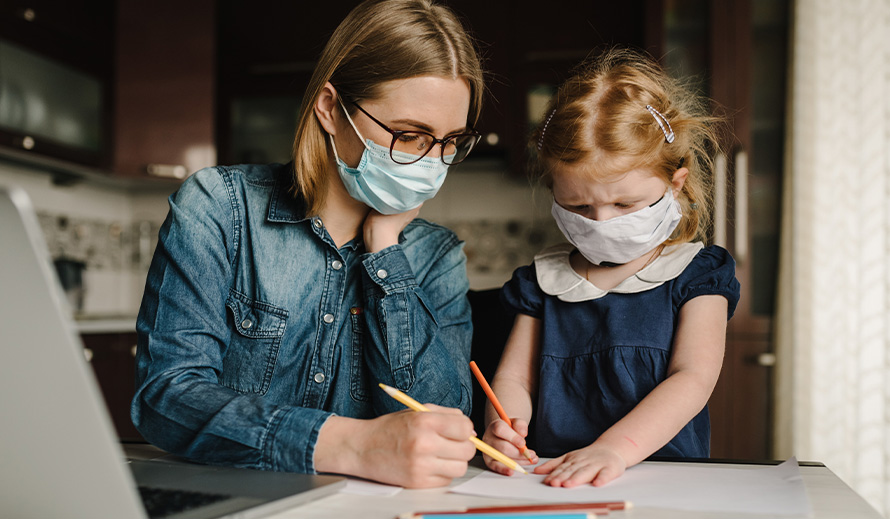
point(599, 117)
point(380, 41)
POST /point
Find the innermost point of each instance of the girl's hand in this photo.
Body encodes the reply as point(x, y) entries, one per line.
point(382, 231)
point(510, 441)
point(593, 464)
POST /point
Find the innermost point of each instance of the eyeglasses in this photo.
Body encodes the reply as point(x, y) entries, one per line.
point(409, 146)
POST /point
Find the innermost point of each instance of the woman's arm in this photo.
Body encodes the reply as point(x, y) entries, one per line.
point(417, 315)
point(693, 370)
point(514, 383)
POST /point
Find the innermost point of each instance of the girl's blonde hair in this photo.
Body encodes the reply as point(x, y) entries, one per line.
point(599, 117)
point(380, 41)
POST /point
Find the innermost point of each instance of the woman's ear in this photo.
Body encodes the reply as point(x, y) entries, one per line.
point(326, 108)
point(678, 180)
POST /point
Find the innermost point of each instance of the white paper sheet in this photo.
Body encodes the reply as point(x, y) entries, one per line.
point(368, 488)
point(777, 490)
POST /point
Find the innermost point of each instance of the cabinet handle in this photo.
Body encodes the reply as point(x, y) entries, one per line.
point(720, 200)
point(88, 354)
point(741, 207)
point(177, 171)
point(133, 350)
point(766, 360)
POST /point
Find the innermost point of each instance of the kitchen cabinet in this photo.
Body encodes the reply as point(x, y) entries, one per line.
point(55, 80)
point(737, 54)
point(164, 76)
point(111, 357)
point(529, 51)
point(526, 51)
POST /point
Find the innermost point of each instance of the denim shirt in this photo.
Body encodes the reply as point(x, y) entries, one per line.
point(255, 328)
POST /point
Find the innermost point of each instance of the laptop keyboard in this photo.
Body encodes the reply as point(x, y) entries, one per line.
point(163, 502)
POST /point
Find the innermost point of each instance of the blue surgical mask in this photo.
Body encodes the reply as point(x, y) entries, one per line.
point(385, 185)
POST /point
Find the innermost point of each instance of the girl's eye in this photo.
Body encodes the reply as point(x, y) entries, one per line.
point(578, 208)
point(623, 205)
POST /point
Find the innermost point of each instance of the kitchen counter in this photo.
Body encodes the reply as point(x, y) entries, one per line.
point(106, 324)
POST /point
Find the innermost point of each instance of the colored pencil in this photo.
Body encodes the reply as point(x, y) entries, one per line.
point(603, 506)
point(543, 515)
point(482, 446)
point(495, 402)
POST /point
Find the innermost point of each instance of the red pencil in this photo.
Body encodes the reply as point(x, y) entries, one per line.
point(494, 401)
point(544, 507)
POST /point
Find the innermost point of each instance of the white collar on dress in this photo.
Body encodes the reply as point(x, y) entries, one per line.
point(557, 278)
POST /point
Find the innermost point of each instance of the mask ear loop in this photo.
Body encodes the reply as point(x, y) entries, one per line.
point(346, 113)
point(659, 117)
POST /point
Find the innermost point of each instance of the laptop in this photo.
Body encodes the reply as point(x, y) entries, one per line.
point(59, 455)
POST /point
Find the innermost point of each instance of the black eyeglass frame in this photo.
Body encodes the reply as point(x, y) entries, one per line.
point(441, 142)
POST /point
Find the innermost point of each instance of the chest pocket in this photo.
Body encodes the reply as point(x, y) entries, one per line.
point(253, 348)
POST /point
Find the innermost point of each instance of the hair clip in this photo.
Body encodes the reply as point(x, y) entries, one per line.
point(544, 129)
point(668, 132)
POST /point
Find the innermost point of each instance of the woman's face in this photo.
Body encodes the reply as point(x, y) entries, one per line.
point(429, 103)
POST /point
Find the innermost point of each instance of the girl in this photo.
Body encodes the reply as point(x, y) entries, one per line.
point(620, 333)
point(279, 295)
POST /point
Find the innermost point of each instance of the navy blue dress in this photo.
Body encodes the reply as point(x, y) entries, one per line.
point(602, 352)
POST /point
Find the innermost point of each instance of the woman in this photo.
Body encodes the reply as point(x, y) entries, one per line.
point(279, 296)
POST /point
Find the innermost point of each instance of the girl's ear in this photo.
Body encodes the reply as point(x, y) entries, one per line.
point(678, 179)
point(326, 107)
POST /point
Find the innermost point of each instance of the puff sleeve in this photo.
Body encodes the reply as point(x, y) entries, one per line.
point(522, 294)
point(712, 272)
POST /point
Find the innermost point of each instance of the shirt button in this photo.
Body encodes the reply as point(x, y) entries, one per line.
point(382, 274)
point(337, 264)
point(328, 318)
point(319, 377)
point(246, 324)
point(316, 222)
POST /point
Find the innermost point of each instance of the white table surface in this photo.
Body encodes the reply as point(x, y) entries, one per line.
point(830, 497)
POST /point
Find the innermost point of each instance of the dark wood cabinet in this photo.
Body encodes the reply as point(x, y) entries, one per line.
point(56, 91)
point(111, 356)
point(165, 80)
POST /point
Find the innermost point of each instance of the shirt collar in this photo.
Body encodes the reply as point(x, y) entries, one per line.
point(557, 278)
point(285, 204)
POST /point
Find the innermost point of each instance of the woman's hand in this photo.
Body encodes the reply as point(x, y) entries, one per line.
point(510, 441)
point(407, 448)
point(593, 464)
point(382, 231)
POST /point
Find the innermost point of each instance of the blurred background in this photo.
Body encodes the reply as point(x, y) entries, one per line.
point(107, 105)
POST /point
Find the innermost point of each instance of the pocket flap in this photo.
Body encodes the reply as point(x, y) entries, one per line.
point(256, 319)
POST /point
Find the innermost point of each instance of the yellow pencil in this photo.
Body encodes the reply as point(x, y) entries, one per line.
point(481, 445)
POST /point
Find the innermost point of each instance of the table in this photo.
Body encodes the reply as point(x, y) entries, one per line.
point(830, 497)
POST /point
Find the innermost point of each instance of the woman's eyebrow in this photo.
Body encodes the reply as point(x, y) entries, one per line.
point(425, 127)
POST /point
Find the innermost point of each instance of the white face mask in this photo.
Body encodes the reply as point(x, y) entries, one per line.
point(623, 238)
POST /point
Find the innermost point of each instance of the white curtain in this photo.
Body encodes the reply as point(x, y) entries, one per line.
point(833, 323)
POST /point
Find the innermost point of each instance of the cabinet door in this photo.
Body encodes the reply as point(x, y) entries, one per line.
point(55, 80)
point(111, 356)
point(736, 53)
point(165, 72)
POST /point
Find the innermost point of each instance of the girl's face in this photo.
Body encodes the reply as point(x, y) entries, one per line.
point(432, 104)
point(629, 192)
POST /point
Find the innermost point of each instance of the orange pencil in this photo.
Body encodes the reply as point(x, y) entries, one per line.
point(494, 401)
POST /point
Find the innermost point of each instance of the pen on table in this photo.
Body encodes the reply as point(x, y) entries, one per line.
point(543, 515)
point(482, 446)
point(494, 402)
point(602, 506)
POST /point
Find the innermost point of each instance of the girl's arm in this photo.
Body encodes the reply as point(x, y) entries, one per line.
point(514, 383)
point(692, 373)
